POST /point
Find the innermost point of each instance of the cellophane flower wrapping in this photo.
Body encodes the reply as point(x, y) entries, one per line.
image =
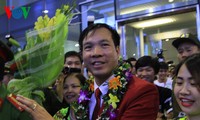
point(42, 60)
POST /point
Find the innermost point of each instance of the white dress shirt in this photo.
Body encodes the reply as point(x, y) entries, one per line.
point(104, 89)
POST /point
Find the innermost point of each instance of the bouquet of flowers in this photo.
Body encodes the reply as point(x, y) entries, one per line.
point(41, 61)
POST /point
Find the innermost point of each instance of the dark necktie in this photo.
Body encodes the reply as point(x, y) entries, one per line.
point(98, 102)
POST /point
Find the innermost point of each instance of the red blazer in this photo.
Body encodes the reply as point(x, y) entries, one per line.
point(140, 102)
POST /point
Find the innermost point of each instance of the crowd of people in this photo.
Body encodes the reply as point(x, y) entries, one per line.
point(132, 89)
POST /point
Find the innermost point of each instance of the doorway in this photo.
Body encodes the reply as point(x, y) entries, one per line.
point(158, 32)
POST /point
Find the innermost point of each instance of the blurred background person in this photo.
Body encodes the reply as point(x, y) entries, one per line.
point(73, 60)
point(186, 45)
point(132, 62)
point(147, 68)
point(163, 79)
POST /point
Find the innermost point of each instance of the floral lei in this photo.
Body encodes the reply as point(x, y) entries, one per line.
point(117, 88)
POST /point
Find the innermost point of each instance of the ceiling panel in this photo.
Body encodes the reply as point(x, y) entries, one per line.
point(180, 20)
point(18, 3)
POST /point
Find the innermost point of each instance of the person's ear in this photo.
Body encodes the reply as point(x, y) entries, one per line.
point(118, 50)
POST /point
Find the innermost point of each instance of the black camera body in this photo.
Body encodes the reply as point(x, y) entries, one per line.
point(67, 70)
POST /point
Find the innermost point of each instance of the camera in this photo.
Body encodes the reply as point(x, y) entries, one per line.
point(67, 70)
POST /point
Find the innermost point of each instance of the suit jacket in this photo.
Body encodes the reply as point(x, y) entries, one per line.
point(140, 102)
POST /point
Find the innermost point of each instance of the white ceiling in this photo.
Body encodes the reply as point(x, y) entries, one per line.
point(179, 20)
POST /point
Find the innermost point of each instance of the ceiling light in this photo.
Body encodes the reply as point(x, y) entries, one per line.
point(45, 11)
point(7, 36)
point(151, 23)
point(77, 45)
point(171, 0)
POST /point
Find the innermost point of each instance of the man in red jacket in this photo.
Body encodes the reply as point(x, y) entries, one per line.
point(99, 45)
point(114, 94)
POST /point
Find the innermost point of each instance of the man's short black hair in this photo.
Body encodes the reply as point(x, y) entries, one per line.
point(131, 59)
point(148, 61)
point(73, 53)
point(93, 27)
point(164, 65)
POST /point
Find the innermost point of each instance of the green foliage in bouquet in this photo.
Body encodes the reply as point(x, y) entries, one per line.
point(41, 61)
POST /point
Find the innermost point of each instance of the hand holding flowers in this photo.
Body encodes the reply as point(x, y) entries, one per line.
point(41, 61)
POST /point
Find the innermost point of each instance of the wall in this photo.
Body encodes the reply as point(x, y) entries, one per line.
point(131, 42)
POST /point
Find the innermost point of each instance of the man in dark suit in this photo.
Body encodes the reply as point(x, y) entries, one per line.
point(100, 48)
